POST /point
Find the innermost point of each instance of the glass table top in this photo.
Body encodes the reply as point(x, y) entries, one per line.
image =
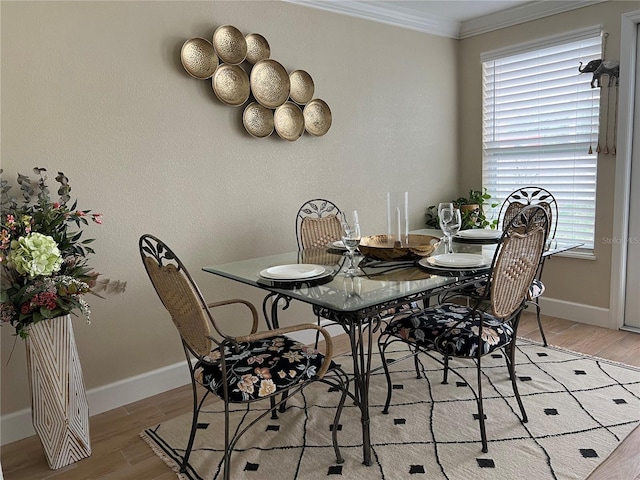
point(374, 285)
point(377, 283)
point(553, 246)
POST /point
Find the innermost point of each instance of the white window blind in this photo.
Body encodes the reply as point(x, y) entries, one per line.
point(540, 118)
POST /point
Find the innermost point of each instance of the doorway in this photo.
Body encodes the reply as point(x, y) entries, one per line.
point(625, 274)
point(632, 295)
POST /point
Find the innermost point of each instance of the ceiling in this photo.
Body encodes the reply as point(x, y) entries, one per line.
point(453, 18)
point(458, 11)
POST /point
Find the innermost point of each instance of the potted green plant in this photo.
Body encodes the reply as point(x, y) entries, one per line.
point(432, 217)
point(471, 209)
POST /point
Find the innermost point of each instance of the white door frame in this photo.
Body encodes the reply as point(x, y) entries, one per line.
point(626, 101)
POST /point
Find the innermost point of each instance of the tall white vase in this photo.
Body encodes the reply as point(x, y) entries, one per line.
point(59, 407)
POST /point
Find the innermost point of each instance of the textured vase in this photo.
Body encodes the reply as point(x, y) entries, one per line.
point(59, 407)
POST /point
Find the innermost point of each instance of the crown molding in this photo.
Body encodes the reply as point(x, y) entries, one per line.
point(520, 14)
point(399, 17)
point(444, 27)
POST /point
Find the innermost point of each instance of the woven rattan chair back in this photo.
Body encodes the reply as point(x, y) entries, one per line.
point(178, 293)
point(219, 357)
point(517, 260)
point(317, 224)
point(525, 196)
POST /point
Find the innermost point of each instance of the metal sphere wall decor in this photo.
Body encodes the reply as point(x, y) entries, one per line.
point(240, 67)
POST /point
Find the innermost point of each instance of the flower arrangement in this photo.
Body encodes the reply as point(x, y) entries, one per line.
point(42, 253)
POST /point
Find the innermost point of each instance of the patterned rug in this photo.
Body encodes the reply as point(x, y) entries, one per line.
point(579, 409)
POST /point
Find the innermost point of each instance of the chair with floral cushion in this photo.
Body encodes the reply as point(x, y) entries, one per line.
point(453, 330)
point(515, 202)
point(227, 365)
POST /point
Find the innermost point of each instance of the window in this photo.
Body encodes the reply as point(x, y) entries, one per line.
point(540, 120)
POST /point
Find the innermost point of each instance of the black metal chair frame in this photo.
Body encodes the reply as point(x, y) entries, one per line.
point(530, 218)
point(157, 255)
point(315, 208)
point(532, 195)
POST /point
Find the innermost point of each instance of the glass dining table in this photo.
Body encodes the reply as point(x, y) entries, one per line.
point(357, 303)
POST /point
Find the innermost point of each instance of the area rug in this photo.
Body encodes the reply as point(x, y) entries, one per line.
point(580, 408)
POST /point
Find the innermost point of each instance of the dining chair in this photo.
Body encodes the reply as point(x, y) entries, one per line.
point(514, 203)
point(490, 324)
point(317, 224)
point(238, 369)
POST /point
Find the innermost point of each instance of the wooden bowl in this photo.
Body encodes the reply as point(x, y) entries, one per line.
point(420, 246)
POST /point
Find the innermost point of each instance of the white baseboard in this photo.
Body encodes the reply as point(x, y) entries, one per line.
point(17, 425)
point(576, 312)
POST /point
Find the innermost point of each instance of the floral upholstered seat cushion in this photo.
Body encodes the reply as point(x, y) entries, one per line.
point(261, 368)
point(535, 290)
point(459, 337)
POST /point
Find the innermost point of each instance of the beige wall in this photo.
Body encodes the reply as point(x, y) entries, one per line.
point(572, 280)
point(96, 90)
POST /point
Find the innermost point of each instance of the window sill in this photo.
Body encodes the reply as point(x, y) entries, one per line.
point(584, 255)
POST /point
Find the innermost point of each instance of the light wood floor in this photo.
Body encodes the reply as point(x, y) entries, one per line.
point(118, 452)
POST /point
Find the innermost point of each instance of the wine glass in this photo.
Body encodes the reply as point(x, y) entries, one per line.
point(453, 226)
point(445, 215)
point(352, 287)
point(350, 236)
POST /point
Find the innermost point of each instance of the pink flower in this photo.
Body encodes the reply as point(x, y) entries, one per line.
point(80, 213)
point(10, 219)
point(44, 299)
point(93, 279)
point(4, 239)
point(56, 205)
point(246, 383)
point(262, 372)
point(97, 218)
point(259, 359)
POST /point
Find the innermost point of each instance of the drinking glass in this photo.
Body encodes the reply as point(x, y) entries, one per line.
point(444, 217)
point(452, 226)
point(350, 236)
point(352, 287)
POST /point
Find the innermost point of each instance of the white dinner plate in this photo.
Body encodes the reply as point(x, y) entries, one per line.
point(294, 271)
point(457, 260)
point(479, 234)
point(339, 245)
